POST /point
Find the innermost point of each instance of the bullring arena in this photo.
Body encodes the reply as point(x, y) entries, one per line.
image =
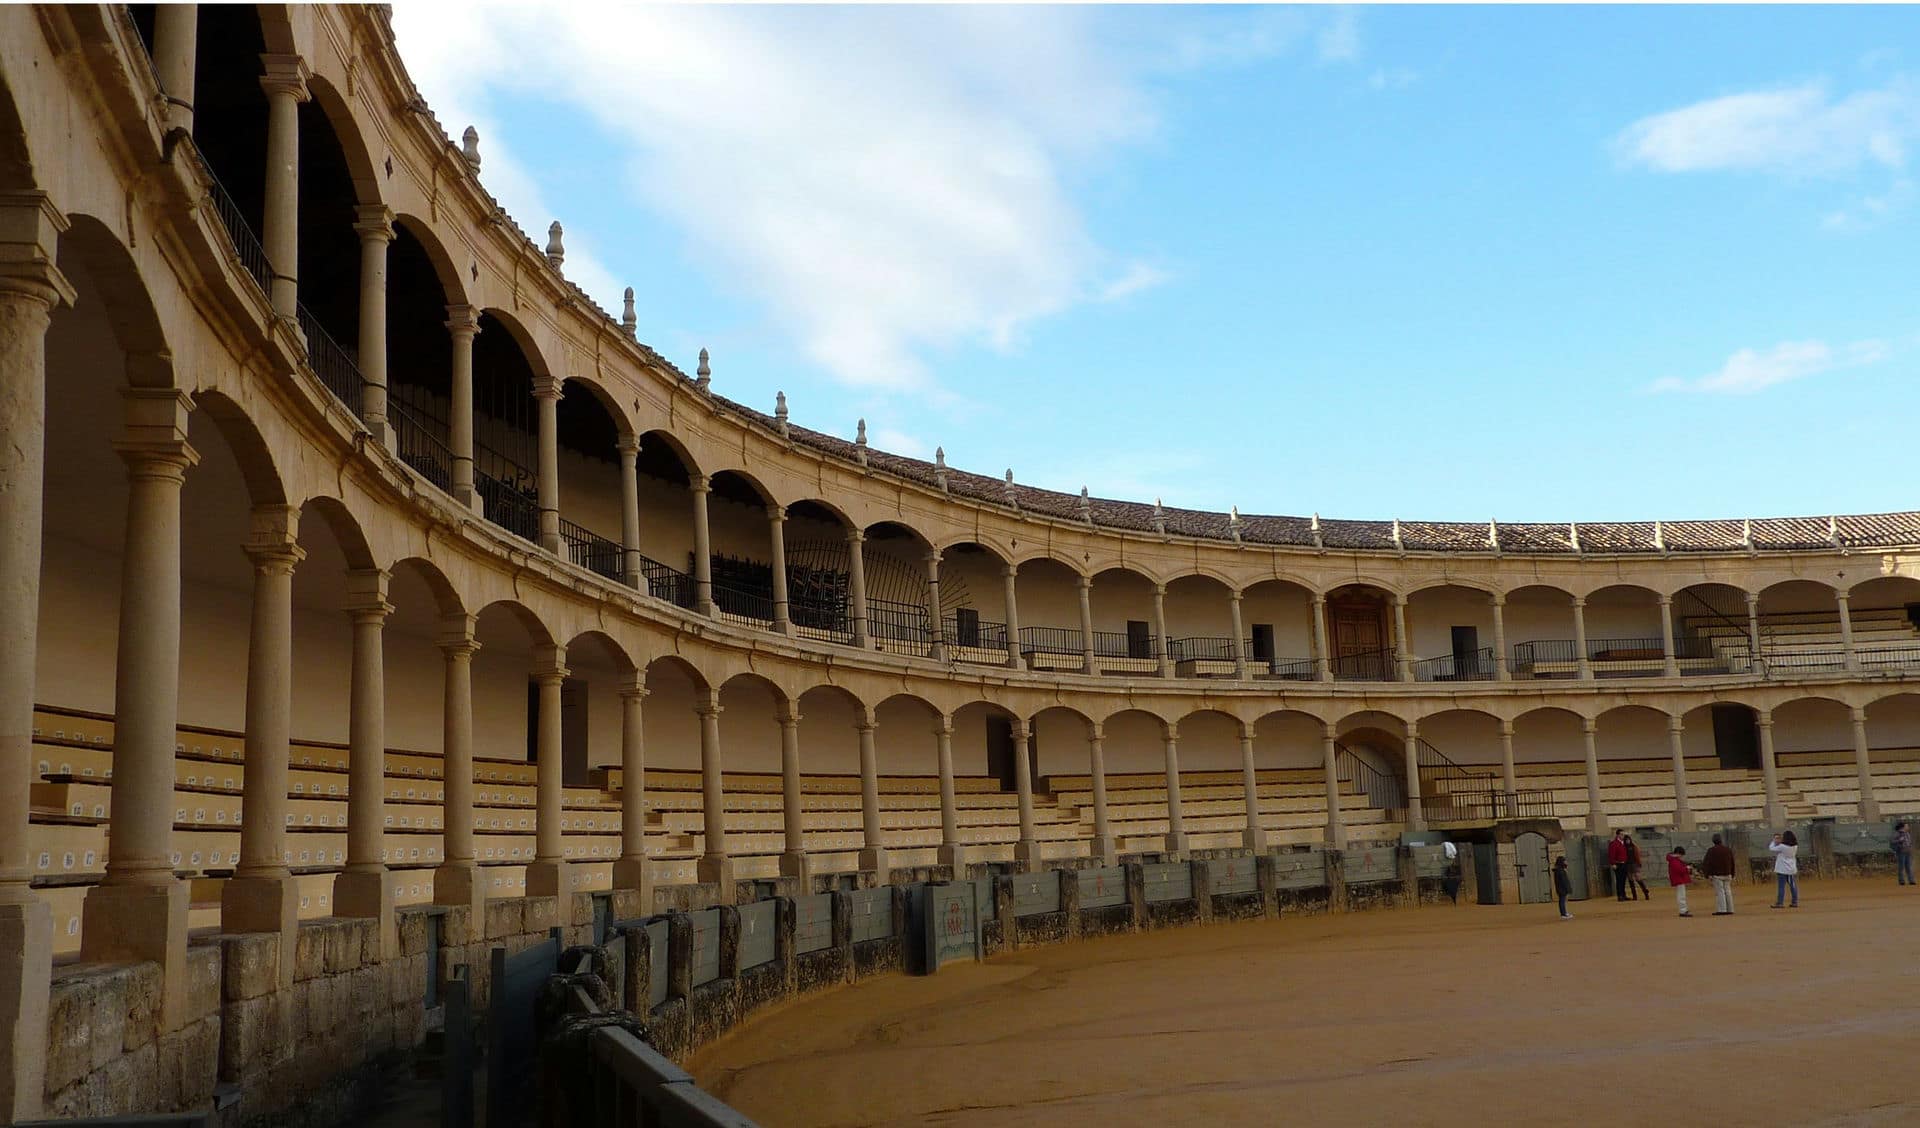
point(377, 606)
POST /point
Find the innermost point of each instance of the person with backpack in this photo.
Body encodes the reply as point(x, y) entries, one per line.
point(1719, 867)
point(1617, 862)
point(1562, 885)
point(1903, 852)
point(1786, 868)
point(1679, 875)
point(1633, 872)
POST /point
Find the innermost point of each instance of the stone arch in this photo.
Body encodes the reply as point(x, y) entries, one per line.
point(527, 619)
point(344, 527)
point(600, 394)
point(523, 339)
point(251, 450)
point(453, 281)
point(1288, 738)
point(829, 737)
point(1060, 735)
point(1209, 740)
point(447, 600)
point(676, 688)
point(1810, 723)
point(127, 303)
point(338, 114)
point(16, 158)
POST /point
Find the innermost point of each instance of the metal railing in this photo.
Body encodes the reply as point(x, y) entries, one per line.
point(1491, 804)
point(419, 447)
point(592, 551)
point(827, 615)
point(1120, 644)
point(1902, 657)
point(508, 507)
point(1206, 649)
point(1474, 665)
point(667, 584)
point(1294, 669)
point(1368, 665)
point(246, 246)
point(742, 603)
point(890, 620)
point(975, 634)
point(1617, 657)
point(1051, 640)
point(1382, 790)
point(329, 361)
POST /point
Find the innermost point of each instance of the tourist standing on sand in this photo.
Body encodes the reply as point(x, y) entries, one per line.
point(1617, 861)
point(1719, 868)
point(1562, 885)
point(1679, 875)
point(1633, 871)
point(1903, 851)
point(1786, 868)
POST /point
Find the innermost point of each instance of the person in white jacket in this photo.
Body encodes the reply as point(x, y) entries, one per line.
point(1786, 869)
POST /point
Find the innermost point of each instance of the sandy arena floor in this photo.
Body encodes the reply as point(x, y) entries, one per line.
point(1497, 1015)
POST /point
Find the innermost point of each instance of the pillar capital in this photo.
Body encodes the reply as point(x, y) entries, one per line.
point(30, 228)
point(699, 483)
point(707, 706)
point(1665, 599)
point(1170, 731)
point(632, 684)
point(273, 538)
point(1506, 727)
point(943, 725)
point(463, 321)
point(456, 635)
point(547, 388)
point(1858, 714)
point(550, 664)
point(285, 74)
point(1096, 731)
point(1009, 571)
point(933, 558)
point(1579, 601)
point(1159, 591)
point(367, 590)
point(1753, 599)
point(627, 445)
point(1840, 596)
point(856, 536)
point(1589, 725)
point(1676, 725)
point(1235, 595)
point(1021, 730)
point(866, 726)
point(1763, 718)
point(1330, 730)
point(1086, 583)
point(155, 428)
point(373, 223)
point(1399, 599)
point(1246, 731)
point(1413, 730)
point(777, 514)
point(787, 714)
point(1499, 599)
point(1317, 598)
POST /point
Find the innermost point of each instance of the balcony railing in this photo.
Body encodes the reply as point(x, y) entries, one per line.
point(419, 447)
point(975, 634)
point(1368, 665)
point(1902, 657)
point(1205, 649)
point(246, 246)
point(901, 626)
point(1050, 640)
point(1293, 669)
point(821, 615)
point(592, 551)
point(1473, 665)
point(510, 508)
point(667, 584)
point(1490, 804)
point(1620, 657)
point(330, 362)
point(1382, 790)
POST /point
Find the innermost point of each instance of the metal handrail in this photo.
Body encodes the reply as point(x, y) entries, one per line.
point(668, 584)
point(246, 246)
point(329, 361)
point(1368, 665)
point(1204, 649)
point(975, 634)
point(419, 447)
point(1383, 791)
point(1294, 669)
point(508, 507)
point(1120, 644)
point(741, 603)
point(895, 621)
point(1473, 665)
point(592, 551)
point(1051, 640)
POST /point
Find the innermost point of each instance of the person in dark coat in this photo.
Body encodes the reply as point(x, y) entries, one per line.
point(1562, 885)
point(1617, 859)
point(1633, 871)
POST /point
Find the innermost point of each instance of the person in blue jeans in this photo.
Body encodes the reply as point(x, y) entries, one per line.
point(1903, 851)
point(1786, 869)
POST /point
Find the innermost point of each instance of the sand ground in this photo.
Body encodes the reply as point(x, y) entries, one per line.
point(1453, 1015)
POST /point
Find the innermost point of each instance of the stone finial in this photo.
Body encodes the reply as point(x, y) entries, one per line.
point(940, 467)
point(556, 252)
point(1159, 517)
point(1746, 534)
point(703, 375)
point(1573, 535)
point(1318, 540)
point(1234, 524)
point(860, 441)
point(780, 413)
point(1012, 498)
point(1398, 545)
point(1086, 506)
point(628, 321)
point(470, 148)
point(1659, 537)
point(1833, 532)
point(1493, 536)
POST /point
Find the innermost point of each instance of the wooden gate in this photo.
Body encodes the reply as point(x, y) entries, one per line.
point(1534, 868)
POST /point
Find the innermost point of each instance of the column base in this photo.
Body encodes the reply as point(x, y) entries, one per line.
point(462, 883)
point(1671, 671)
point(794, 864)
point(549, 877)
point(1016, 663)
point(142, 923)
point(382, 432)
point(1870, 810)
point(369, 894)
point(1255, 839)
point(718, 870)
point(952, 854)
point(873, 859)
point(635, 874)
point(471, 498)
point(1104, 850)
point(265, 903)
point(1026, 853)
point(1684, 820)
point(26, 975)
point(1176, 847)
point(552, 543)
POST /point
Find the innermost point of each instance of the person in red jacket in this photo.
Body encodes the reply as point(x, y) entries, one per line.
point(1679, 875)
point(1621, 864)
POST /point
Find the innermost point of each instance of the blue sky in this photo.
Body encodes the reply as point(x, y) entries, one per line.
point(1416, 262)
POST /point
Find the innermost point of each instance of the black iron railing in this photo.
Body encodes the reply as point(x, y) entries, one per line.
point(1125, 644)
point(1382, 790)
point(1368, 665)
point(246, 246)
point(1491, 804)
point(1902, 657)
point(892, 620)
point(1205, 649)
point(418, 447)
point(1474, 665)
point(1051, 640)
point(825, 613)
point(1294, 669)
point(1617, 657)
point(976, 634)
point(330, 362)
point(510, 508)
point(742, 603)
point(592, 551)
point(668, 584)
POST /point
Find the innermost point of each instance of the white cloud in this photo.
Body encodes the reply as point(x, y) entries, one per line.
point(1751, 370)
point(895, 441)
point(1798, 130)
point(1339, 41)
point(1137, 277)
point(1869, 211)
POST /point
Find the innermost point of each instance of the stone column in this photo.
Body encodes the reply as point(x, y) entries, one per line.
point(700, 486)
point(1088, 664)
point(1769, 768)
point(262, 895)
point(1669, 661)
point(1322, 657)
point(628, 447)
point(1596, 810)
point(1869, 806)
point(138, 912)
point(1160, 630)
point(458, 880)
point(548, 875)
point(362, 890)
point(1682, 810)
point(1416, 813)
point(1008, 572)
point(1240, 659)
point(463, 325)
point(1850, 659)
point(715, 864)
point(30, 289)
point(285, 82)
point(777, 541)
point(950, 847)
point(1501, 671)
point(1582, 664)
point(793, 861)
point(632, 870)
point(857, 585)
point(546, 401)
point(937, 644)
point(1027, 850)
point(1509, 778)
point(375, 226)
point(1176, 823)
point(174, 51)
point(1255, 835)
point(1102, 846)
point(1330, 763)
point(873, 850)
point(1753, 631)
point(1402, 645)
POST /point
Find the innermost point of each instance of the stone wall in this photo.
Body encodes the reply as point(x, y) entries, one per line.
point(108, 1049)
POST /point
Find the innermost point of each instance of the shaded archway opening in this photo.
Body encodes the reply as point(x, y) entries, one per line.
point(983, 741)
point(230, 110)
point(819, 572)
point(1624, 634)
point(415, 665)
point(1539, 627)
point(1886, 622)
point(973, 603)
point(1200, 632)
point(1360, 639)
point(1711, 628)
point(1061, 741)
point(506, 447)
point(1126, 638)
point(1047, 598)
point(592, 717)
point(419, 358)
point(591, 498)
point(1209, 742)
point(1278, 615)
point(1450, 634)
point(322, 632)
point(669, 720)
point(899, 596)
point(738, 509)
point(1370, 751)
point(905, 740)
point(505, 693)
point(329, 256)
